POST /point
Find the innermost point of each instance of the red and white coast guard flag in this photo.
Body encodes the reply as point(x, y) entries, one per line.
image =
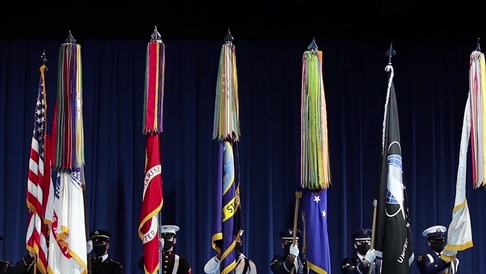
point(459, 234)
point(152, 202)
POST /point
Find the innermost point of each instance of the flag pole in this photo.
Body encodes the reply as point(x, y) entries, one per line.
point(44, 60)
point(70, 40)
point(44, 63)
point(390, 53)
point(315, 172)
point(226, 131)
point(152, 199)
point(69, 162)
point(157, 37)
point(298, 195)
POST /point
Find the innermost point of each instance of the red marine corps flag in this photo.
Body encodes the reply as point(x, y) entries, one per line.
point(152, 199)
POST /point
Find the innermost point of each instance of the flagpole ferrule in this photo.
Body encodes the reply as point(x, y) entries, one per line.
point(228, 38)
point(390, 53)
point(70, 39)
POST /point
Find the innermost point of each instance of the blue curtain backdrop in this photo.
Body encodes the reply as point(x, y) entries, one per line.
point(431, 80)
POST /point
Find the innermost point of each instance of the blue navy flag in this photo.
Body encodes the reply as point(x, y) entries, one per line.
point(227, 224)
point(316, 236)
point(392, 233)
point(226, 129)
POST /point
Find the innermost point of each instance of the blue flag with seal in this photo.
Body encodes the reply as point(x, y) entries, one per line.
point(226, 130)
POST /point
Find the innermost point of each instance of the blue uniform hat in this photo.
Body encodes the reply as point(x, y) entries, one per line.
point(362, 235)
point(100, 235)
point(288, 234)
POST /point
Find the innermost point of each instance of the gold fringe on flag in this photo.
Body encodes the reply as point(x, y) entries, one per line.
point(226, 124)
point(314, 158)
point(69, 133)
point(477, 85)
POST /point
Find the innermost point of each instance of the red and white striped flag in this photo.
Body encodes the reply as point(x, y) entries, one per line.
point(39, 179)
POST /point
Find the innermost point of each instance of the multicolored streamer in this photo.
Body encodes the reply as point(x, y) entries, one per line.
point(69, 133)
point(153, 197)
point(477, 85)
point(226, 124)
point(154, 87)
point(314, 158)
point(226, 131)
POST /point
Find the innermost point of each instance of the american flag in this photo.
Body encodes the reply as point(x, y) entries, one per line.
point(38, 180)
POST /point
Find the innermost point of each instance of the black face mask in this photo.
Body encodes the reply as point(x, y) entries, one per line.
point(363, 248)
point(168, 245)
point(437, 246)
point(287, 248)
point(99, 250)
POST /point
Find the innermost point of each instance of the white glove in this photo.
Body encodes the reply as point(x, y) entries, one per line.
point(294, 250)
point(89, 246)
point(370, 256)
point(161, 243)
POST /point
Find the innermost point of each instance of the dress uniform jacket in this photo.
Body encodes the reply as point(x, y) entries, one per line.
point(171, 264)
point(280, 265)
point(25, 266)
point(5, 267)
point(174, 264)
point(432, 263)
point(108, 266)
point(243, 265)
point(355, 265)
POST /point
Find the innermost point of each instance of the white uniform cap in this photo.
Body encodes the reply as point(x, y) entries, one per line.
point(436, 230)
point(169, 229)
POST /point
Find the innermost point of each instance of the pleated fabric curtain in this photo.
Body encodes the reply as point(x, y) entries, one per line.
point(432, 82)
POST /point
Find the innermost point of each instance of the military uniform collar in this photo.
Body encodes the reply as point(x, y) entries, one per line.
point(103, 258)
